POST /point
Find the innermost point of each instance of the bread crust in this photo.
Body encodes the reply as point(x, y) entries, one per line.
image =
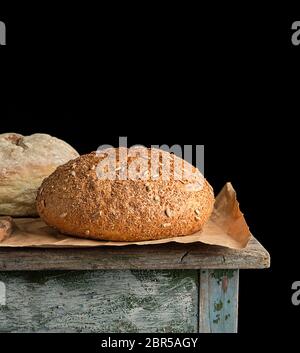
point(24, 162)
point(76, 202)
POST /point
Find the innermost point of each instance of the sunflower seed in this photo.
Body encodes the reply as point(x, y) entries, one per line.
point(97, 214)
point(165, 225)
point(93, 167)
point(197, 212)
point(73, 173)
point(197, 218)
point(63, 215)
point(168, 212)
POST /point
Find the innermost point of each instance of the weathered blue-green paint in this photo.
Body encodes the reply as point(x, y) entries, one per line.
point(100, 301)
point(120, 301)
point(218, 301)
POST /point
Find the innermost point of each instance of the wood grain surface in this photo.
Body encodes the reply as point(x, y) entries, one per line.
point(163, 256)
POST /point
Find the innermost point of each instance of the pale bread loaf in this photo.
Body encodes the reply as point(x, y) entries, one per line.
point(74, 201)
point(24, 162)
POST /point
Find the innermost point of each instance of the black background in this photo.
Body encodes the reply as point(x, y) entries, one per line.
point(223, 77)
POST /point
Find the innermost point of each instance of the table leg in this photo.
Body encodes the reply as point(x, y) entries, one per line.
point(218, 301)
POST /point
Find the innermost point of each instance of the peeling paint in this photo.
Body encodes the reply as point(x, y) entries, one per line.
point(219, 301)
point(220, 274)
point(217, 319)
point(101, 301)
point(218, 306)
point(227, 316)
point(224, 284)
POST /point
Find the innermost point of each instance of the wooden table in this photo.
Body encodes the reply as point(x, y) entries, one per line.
point(161, 288)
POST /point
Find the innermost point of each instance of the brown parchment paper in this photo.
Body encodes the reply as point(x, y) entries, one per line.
point(226, 227)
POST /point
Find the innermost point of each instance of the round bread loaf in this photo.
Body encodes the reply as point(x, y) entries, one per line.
point(24, 162)
point(81, 200)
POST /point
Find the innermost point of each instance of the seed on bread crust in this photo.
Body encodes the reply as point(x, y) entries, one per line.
point(168, 212)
